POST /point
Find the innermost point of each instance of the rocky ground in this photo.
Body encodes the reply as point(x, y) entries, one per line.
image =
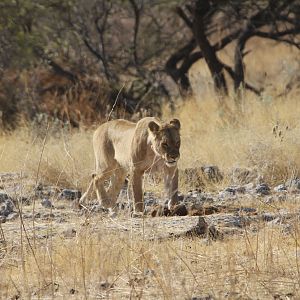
point(209, 215)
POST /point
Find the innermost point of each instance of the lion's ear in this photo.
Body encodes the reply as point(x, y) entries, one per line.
point(154, 127)
point(175, 123)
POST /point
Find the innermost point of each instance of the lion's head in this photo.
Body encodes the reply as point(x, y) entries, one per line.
point(166, 142)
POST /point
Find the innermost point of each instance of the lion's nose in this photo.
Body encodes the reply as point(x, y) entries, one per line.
point(174, 156)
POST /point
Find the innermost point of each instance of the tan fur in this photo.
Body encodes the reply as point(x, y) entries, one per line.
point(122, 147)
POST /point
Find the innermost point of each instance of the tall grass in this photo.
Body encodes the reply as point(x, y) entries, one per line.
point(112, 265)
point(124, 263)
point(257, 133)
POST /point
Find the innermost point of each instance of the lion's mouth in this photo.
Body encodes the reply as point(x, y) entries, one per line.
point(171, 163)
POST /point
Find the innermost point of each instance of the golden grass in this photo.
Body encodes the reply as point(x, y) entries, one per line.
point(217, 132)
point(107, 265)
point(259, 265)
point(98, 263)
point(225, 134)
point(64, 159)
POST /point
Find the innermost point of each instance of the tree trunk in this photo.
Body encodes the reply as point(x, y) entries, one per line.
point(178, 73)
point(209, 53)
point(239, 69)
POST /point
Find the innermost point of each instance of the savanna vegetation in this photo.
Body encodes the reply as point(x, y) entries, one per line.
point(229, 70)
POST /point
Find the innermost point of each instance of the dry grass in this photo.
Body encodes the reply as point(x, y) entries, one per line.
point(227, 136)
point(65, 159)
point(223, 134)
point(100, 264)
point(258, 265)
point(104, 265)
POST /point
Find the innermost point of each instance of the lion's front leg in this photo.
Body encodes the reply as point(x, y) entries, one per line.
point(137, 190)
point(171, 185)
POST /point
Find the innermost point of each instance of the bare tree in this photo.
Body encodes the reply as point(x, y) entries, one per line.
point(237, 21)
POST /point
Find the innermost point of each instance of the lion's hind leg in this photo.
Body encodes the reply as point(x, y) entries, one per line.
point(89, 190)
point(117, 182)
point(99, 187)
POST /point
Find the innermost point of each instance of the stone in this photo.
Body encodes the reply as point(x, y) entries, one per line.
point(97, 208)
point(47, 203)
point(179, 210)
point(6, 208)
point(70, 194)
point(248, 210)
point(3, 197)
point(228, 194)
point(202, 229)
point(212, 173)
point(262, 189)
point(149, 199)
point(12, 216)
point(46, 191)
point(280, 188)
point(293, 184)
point(268, 217)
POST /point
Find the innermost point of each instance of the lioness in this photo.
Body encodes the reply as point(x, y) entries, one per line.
point(123, 147)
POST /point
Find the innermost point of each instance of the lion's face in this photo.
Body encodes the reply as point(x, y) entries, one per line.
point(166, 141)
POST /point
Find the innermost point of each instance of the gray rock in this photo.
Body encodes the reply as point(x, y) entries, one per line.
point(293, 184)
point(6, 208)
point(247, 210)
point(70, 194)
point(268, 217)
point(12, 216)
point(149, 199)
point(212, 173)
point(47, 203)
point(46, 191)
point(97, 208)
point(235, 189)
point(196, 197)
point(230, 190)
point(228, 194)
point(203, 229)
point(230, 220)
point(262, 189)
point(3, 197)
point(280, 188)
